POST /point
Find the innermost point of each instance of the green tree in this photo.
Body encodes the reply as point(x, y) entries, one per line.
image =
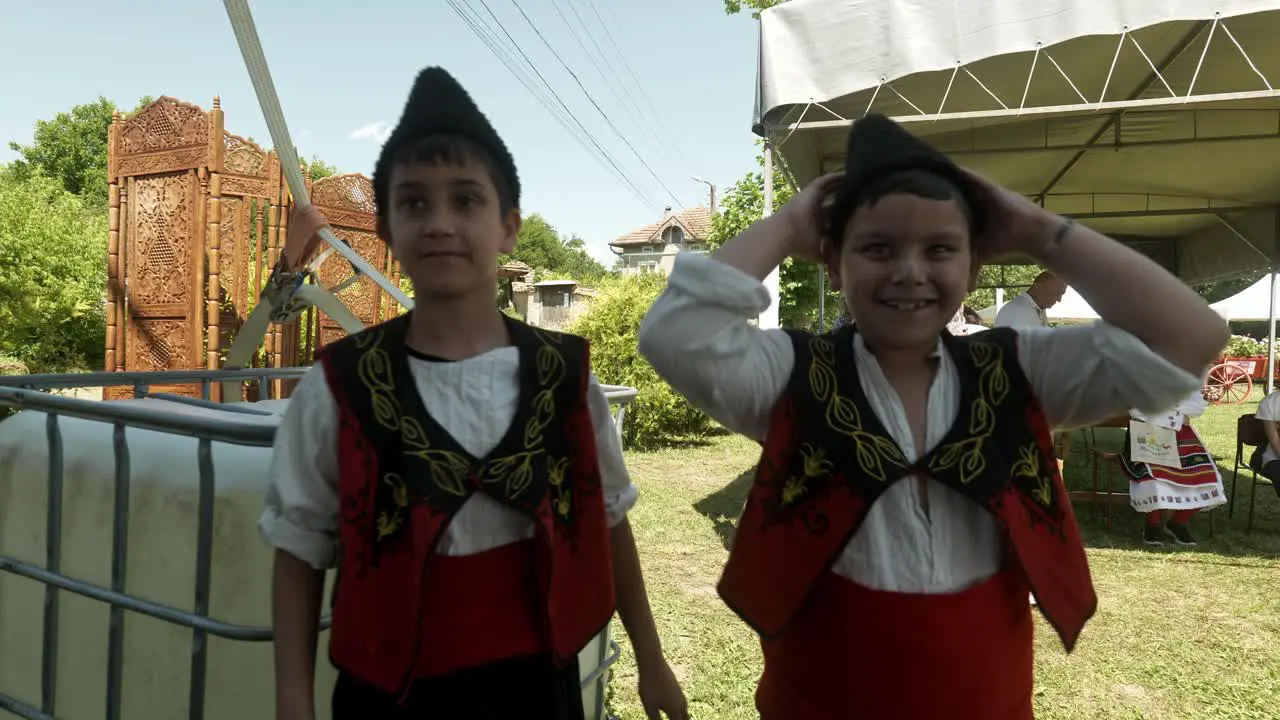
point(1015, 278)
point(542, 248)
point(733, 7)
point(658, 415)
point(53, 254)
point(317, 169)
point(72, 148)
point(799, 282)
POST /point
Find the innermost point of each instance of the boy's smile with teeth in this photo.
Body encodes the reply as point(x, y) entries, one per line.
point(908, 304)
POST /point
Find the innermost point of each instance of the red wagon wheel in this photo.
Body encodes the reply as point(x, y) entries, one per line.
point(1227, 384)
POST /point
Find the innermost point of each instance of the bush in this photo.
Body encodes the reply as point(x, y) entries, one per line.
point(612, 325)
point(53, 271)
point(10, 365)
point(1244, 346)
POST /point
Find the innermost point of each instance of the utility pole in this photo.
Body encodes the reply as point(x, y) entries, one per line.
point(769, 318)
point(712, 186)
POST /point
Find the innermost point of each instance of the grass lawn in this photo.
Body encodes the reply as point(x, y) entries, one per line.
point(1179, 635)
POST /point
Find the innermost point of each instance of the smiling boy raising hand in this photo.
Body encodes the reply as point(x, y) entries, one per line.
point(907, 498)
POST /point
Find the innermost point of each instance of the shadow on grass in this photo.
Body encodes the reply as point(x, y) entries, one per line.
point(685, 442)
point(723, 506)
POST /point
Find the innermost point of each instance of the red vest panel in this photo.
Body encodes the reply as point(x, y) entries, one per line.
point(828, 458)
point(403, 478)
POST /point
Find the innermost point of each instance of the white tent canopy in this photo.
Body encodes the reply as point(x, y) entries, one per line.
point(1155, 122)
point(1252, 303)
point(1071, 308)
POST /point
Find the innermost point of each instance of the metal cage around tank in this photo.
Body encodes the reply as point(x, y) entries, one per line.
point(34, 393)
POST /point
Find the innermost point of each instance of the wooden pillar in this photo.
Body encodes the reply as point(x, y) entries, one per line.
point(213, 283)
point(122, 266)
point(210, 212)
point(115, 283)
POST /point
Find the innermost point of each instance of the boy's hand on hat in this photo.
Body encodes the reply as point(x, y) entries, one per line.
point(805, 216)
point(1013, 224)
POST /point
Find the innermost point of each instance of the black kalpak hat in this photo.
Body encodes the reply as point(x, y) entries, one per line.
point(438, 105)
point(878, 147)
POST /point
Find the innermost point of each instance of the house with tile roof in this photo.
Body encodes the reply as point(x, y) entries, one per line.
point(653, 247)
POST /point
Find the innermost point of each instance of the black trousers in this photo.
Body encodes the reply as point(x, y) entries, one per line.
point(1270, 471)
point(528, 688)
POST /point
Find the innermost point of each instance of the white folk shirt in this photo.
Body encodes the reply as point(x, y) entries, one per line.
point(698, 338)
point(1269, 410)
point(1021, 313)
point(475, 400)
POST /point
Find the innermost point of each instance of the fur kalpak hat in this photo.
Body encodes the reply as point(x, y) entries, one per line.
point(438, 105)
point(879, 147)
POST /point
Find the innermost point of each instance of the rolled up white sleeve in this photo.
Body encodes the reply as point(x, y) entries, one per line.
point(619, 493)
point(301, 513)
point(1088, 373)
point(697, 336)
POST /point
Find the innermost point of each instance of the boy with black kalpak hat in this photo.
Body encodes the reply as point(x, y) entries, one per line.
point(460, 468)
point(907, 498)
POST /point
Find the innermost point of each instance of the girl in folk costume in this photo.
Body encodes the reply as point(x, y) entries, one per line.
point(460, 468)
point(1193, 486)
point(907, 498)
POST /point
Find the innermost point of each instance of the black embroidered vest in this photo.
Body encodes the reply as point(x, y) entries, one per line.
point(403, 478)
point(828, 458)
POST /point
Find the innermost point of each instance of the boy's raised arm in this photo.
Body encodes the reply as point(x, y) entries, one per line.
point(1128, 290)
point(697, 335)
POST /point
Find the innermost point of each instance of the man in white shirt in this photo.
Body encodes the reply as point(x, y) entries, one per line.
point(1268, 457)
point(1027, 310)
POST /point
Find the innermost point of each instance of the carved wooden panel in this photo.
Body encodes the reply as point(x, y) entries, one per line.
point(162, 262)
point(161, 235)
point(234, 266)
point(248, 169)
point(167, 135)
point(347, 201)
point(243, 157)
point(363, 297)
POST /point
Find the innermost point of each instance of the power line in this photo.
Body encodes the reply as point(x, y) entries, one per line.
point(617, 167)
point(593, 102)
point(548, 98)
point(632, 110)
point(636, 82)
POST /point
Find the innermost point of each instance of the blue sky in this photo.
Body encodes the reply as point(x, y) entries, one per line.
point(343, 71)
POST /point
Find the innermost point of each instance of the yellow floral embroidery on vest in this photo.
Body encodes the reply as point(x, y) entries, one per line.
point(1028, 466)
point(815, 465)
point(449, 471)
point(966, 454)
point(841, 413)
point(388, 524)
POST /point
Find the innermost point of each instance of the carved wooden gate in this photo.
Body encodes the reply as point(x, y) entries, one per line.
point(197, 219)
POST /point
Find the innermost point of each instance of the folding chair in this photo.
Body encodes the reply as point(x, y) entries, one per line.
point(1249, 433)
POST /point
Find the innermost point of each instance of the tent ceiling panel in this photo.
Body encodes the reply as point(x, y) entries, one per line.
point(829, 51)
point(1015, 90)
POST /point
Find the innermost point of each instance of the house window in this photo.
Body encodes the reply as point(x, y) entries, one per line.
point(695, 247)
point(648, 266)
point(647, 248)
point(673, 235)
point(557, 298)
